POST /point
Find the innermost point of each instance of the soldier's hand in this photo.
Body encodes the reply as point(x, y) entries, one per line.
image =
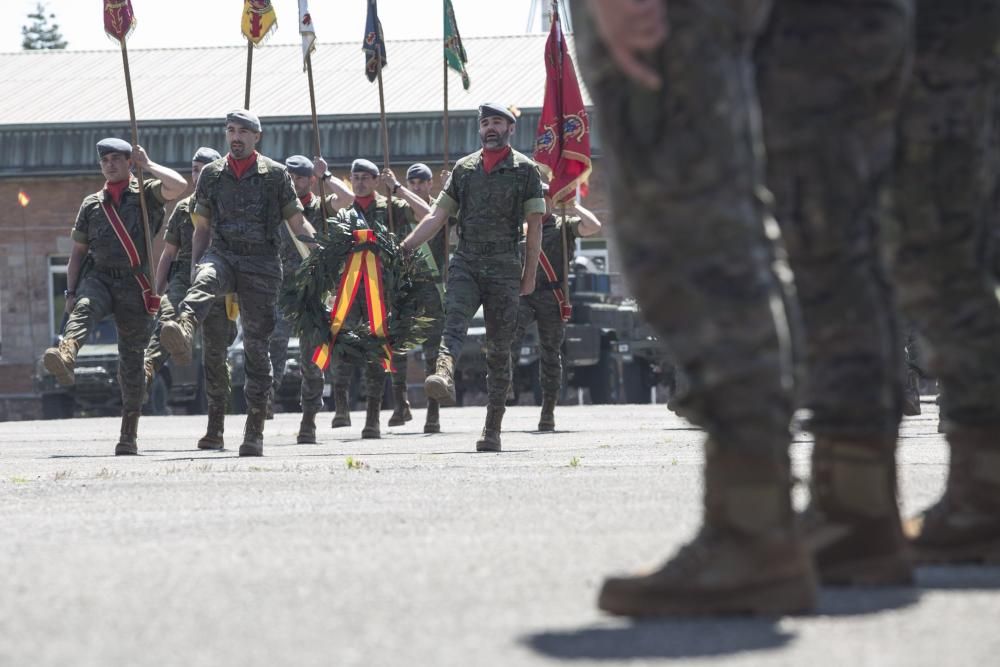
point(629, 28)
point(389, 178)
point(70, 302)
point(527, 285)
point(319, 167)
point(445, 175)
point(139, 157)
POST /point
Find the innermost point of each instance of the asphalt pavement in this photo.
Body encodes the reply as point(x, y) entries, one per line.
point(415, 550)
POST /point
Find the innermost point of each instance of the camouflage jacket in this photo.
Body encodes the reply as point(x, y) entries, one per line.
point(492, 206)
point(92, 226)
point(245, 214)
point(180, 230)
point(313, 212)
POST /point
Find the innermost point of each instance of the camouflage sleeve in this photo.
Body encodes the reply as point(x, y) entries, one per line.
point(202, 197)
point(290, 204)
point(405, 213)
point(573, 227)
point(534, 201)
point(154, 187)
point(448, 199)
point(172, 233)
point(81, 228)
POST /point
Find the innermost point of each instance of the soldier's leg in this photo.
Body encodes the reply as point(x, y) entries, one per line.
point(525, 316)
point(461, 301)
point(499, 283)
point(830, 78)
point(93, 304)
point(311, 396)
point(215, 277)
point(944, 181)
point(257, 294)
point(435, 310)
point(278, 353)
point(133, 324)
point(374, 386)
point(218, 333)
point(551, 330)
point(686, 180)
point(155, 353)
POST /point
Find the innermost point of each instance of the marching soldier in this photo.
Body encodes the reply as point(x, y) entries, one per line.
point(491, 191)
point(428, 292)
point(548, 305)
point(109, 237)
point(241, 203)
point(304, 173)
point(173, 279)
point(369, 211)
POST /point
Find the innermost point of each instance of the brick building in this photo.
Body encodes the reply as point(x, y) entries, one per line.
point(66, 101)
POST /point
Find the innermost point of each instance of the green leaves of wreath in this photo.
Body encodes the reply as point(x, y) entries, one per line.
point(317, 280)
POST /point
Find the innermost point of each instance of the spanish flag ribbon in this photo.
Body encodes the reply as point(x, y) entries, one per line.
point(363, 267)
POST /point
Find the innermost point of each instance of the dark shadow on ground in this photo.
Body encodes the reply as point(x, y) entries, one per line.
point(857, 601)
point(112, 455)
point(680, 638)
point(959, 577)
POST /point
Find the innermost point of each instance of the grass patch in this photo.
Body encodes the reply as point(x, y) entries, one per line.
point(19, 480)
point(574, 462)
point(355, 464)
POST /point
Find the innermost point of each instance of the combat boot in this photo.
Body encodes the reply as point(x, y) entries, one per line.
point(401, 412)
point(747, 558)
point(253, 432)
point(490, 440)
point(127, 445)
point(213, 438)
point(307, 428)
point(441, 385)
point(177, 337)
point(342, 416)
point(372, 416)
point(61, 360)
point(852, 525)
point(964, 525)
point(547, 422)
point(433, 422)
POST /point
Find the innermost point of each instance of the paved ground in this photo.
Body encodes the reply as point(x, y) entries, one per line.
point(412, 551)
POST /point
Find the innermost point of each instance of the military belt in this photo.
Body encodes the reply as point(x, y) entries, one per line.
point(487, 247)
point(248, 247)
point(114, 272)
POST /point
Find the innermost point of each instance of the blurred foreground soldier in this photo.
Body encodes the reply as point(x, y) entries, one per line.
point(548, 305)
point(429, 294)
point(491, 191)
point(304, 174)
point(173, 279)
point(369, 211)
point(108, 237)
point(241, 203)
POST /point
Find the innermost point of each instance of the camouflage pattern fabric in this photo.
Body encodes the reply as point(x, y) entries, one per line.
point(686, 164)
point(486, 268)
point(180, 231)
point(426, 292)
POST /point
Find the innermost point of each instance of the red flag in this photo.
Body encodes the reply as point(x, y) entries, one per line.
point(119, 19)
point(562, 147)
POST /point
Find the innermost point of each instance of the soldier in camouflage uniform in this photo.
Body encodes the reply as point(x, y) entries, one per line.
point(543, 306)
point(369, 211)
point(242, 201)
point(304, 175)
point(428, 292)
point(491, 191)
point(830, 123)
point(173, 279)
point(108, 286)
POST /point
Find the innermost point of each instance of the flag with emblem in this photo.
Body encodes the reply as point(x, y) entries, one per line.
point(259, 20)
point(119, 19)
point(454, 52)
point(562, 145)
point(307, 30)
point(374, 45)
point(23, 199)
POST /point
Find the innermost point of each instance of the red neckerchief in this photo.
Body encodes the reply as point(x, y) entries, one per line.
point(307, 199)
point(240, 167)
point(364, 202)
point(493, 157)
point(116, 190)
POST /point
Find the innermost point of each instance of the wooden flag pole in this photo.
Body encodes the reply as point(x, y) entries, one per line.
point(246, 96)
point(316, 143)
point(142, 190)
point(446, 231)
point(562, 119)
point(385, 140)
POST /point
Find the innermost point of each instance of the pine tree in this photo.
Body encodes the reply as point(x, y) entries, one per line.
point(39, 34)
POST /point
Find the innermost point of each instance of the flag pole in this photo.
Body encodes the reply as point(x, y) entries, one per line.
point(246, 96)
point(446, 232)
point(561, 120)
point(315, 122)
point(142, 192)
point(385, 139)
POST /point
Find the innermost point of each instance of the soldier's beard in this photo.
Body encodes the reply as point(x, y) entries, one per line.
point(495, 140)
point(238, 150)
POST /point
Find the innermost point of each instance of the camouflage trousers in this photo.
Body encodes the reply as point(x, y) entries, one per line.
point(257, 295)
point(492, 282)
point(697, 243)
point(430, 297)
point(343, 365)
point(543, 308)
point(311, 392)
point(217, 331)
point(100, 295)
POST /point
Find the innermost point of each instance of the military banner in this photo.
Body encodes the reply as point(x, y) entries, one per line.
point(119, 19)
point(259, 20)
point(454, 52)
point(562, 145)
point(307, 31)
point(374, 44)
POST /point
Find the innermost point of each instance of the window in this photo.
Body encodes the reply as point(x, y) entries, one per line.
point(57, 300)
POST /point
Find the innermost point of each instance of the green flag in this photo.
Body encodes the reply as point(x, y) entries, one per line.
point(454, 52)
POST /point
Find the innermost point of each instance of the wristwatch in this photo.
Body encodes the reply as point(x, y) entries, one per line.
point(327, 175)
point(69, 293)
point(396, 187)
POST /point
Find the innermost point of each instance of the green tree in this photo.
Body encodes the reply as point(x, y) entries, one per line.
point(39, 34)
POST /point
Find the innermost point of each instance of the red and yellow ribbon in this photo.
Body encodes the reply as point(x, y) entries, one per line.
point(364, 266)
